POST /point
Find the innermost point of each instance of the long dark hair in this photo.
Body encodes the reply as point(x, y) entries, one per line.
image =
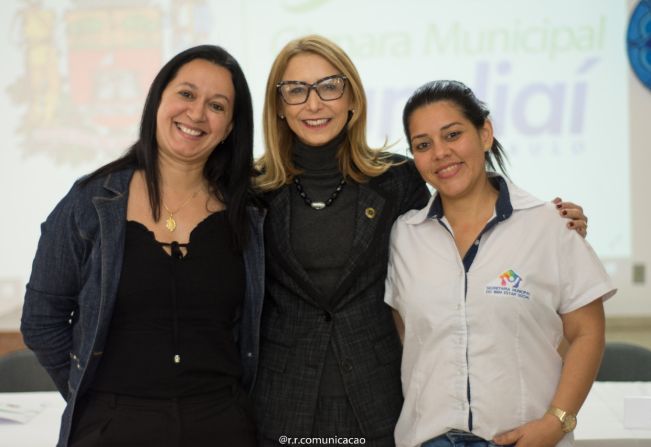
point(472, 108)
point(228, 168)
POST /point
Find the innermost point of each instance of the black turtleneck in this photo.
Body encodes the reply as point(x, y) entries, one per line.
point(322, 239)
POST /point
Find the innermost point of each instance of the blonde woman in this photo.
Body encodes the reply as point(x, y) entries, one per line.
point(329, 353)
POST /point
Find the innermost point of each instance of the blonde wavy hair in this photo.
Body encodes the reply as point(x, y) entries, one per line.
point(357, 160)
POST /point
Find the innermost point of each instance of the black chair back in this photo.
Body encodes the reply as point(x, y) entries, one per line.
point(20, 371)
point(625, 362)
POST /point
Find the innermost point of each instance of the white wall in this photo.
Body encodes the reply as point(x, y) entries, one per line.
point(80, 105)
point(635, 299)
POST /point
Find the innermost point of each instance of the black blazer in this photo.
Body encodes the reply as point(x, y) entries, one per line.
point(297, 330)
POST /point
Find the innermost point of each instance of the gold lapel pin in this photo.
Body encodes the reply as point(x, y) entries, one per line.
point(370, 212)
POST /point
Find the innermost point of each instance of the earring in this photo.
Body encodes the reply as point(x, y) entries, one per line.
point(282, 117)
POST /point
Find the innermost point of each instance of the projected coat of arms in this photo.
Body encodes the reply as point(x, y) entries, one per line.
point(87, 69)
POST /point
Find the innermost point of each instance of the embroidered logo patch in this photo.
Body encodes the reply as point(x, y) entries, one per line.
point(508, 283)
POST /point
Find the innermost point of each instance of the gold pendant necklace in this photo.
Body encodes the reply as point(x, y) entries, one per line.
point(170, 223)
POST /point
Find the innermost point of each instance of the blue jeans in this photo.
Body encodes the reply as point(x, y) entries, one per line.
point(456, 438)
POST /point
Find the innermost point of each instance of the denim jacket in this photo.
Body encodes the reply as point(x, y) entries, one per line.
point(73, 287)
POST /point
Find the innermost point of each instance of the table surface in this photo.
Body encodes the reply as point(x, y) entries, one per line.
point(40, 431)
point(600, 420)
point(600, 423)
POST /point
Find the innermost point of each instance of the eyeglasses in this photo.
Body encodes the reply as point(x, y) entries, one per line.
point(297, 92)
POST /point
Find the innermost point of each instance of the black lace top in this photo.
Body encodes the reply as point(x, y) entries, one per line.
point(171, 332)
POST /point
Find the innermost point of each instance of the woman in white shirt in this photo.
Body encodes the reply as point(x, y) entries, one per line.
point(485, 282)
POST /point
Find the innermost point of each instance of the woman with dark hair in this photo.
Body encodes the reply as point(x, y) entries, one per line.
point(146, 289)
point(329, 352)
point(486, 282)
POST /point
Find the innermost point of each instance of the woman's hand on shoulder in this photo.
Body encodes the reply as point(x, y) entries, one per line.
point(578, 220)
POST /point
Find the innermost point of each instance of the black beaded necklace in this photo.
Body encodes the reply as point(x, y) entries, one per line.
point(318, 205)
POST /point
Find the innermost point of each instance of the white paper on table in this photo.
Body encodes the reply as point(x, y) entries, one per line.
point(637, 412)
point(22, 413)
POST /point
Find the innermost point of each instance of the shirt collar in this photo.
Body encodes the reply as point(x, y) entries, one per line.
point(118, 181)
point(509, 198)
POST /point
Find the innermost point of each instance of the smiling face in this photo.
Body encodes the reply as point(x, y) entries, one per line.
point(448, 149)
point(195, 112)
point(315, 122)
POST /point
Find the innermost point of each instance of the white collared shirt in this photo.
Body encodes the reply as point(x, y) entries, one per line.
point(501, 336)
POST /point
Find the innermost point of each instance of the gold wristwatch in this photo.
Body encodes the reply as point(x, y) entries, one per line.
point(568, 420)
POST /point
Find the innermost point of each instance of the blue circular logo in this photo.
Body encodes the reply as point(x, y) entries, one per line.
point(638, 41)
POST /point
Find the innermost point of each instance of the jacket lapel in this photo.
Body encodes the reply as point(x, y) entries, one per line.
point(370, 207)
point(370, 217)
point(280, 247)
point(112, 211)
